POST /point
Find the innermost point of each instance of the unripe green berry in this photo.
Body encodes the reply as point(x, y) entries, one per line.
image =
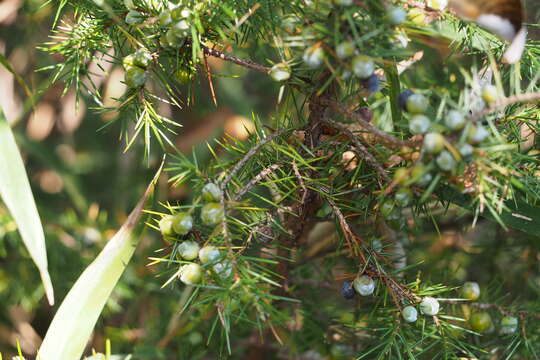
point(183, 76)
point(466, 150)
point(345, 50)
point(134, 17)
point(166, 225)
point(211, 192)
point(188, 250)
point(172, 40)
point(142, 58)
point(446, 161)
point(165, 18)
point(409, 313)
point(182, 223)
point(191, 274)
point(419, 124)
point(212, 214)
point(477, 134)
point(509, 325)
point(128, 62)
point(180, 29)
point(454, 120)
point(209, 254)
point(129, 4)
point(471, 290)
point(363, 66)
point(429, 306)
point(280, 72)
point(396, 15)
point(490, 94)
point(433, 143)
point(403, 197)
point(401, 175)
point(179, 13)
point(135, 77)
point(480, 322)
point(387, 209)
point(420, 175)
point(344, 2)
point(364, 285)
point(313, 57)
point(223, 269)
point(417, 104)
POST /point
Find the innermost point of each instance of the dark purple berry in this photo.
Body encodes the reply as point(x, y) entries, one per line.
point(403, 97)
point(347, 290)
point(372, 83)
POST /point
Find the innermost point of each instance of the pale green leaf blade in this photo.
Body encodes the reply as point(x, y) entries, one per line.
point(76, 317)
point(16, 193)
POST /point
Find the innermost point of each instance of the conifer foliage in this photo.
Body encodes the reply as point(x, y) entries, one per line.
point(325, 234)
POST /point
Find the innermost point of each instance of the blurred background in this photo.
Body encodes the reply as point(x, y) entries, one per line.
point(85, 184)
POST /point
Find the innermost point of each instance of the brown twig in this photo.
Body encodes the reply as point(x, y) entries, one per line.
point(263, 174)
point(499, 308)
point(227, 57)
point(507, 101)
point(385, 137)
point(361, 150)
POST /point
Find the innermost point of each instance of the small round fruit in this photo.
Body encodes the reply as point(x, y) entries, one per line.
point(364, 285)
point(403, 197)
point(466, 150)
point(363, 66)
point(209, 254)
point(477, 134)
point(183, 76)
point(188, 250)
point(172, 40)
point(387, 208)
point(128, 62)
point(191, 274)
point(454, 120)
point(438, 5)
point(135, 77)
point(480, 322)
point(419, 124)
point(166, 225)
point(372, 83)
point(223, 269)
point(401, 175)
point(429, 306)
point(280, 72)
point(403, 98)
point(347, 290)
point(446, 161)
point(313, 57)
point(417, 104)
point(211, 192)
point(212, 214)
point(345, 50)
point(471, 290)
point(433, 143)
point(490, 94)
point(180, 29)
point(396, 15)
point(165, 18)
point(509, 325)
point(417, 16)
point(134, 17)
point(182, 223)
point(409, 313)
point(377, 245)
point(142, 58)
point(129, 4)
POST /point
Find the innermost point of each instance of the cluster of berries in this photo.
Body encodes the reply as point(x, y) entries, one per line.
point(481, 322)
point(136, 68)
point(180, 224)
point(345, 53)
